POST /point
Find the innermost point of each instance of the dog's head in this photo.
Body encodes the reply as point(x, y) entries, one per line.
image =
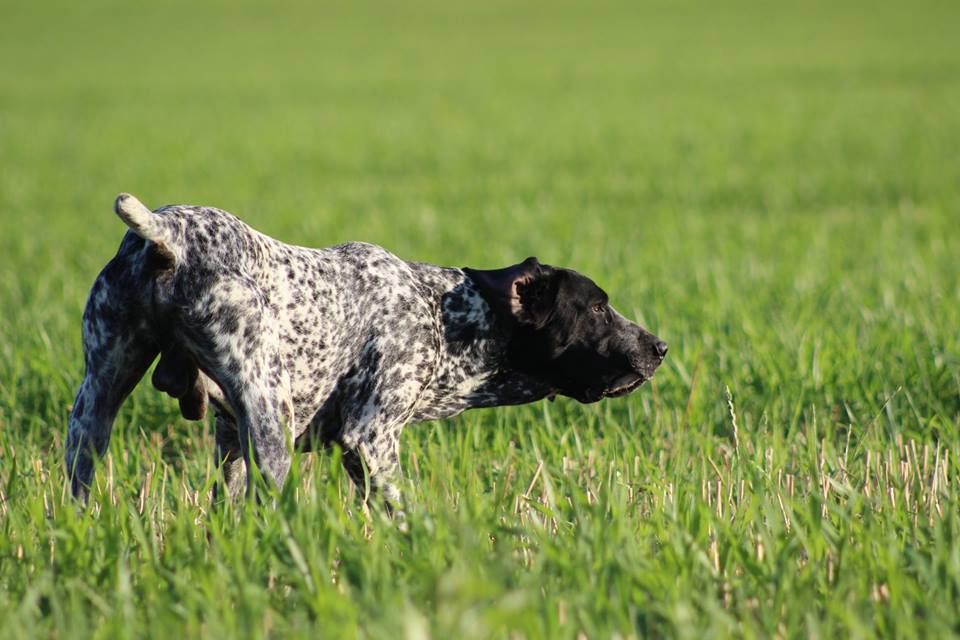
point(566, 334)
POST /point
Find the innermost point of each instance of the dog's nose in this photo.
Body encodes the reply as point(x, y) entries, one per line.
point(660, 348)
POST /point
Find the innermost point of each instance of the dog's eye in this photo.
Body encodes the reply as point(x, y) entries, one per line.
point(598, 307)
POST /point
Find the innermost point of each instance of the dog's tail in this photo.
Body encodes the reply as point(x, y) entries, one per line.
point(141, 220)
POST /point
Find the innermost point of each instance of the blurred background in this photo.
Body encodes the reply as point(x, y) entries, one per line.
point(764, 182)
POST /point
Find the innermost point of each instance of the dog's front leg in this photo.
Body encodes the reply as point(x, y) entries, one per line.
point(375, 404)
point(374, 466)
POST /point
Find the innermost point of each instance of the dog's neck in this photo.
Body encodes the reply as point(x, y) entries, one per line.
point(473, 368)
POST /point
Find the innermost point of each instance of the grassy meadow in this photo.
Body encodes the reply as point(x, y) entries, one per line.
point(774, 190)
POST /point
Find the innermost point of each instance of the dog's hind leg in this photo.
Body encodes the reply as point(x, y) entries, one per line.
point(229, 457)
point(117, 352)
point(263, 404)
point(237, 344)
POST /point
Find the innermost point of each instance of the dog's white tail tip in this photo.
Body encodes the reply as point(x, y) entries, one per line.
point(128, 207)
point(141, 220)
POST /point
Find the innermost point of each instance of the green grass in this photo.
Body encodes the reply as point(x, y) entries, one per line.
point(775, 190)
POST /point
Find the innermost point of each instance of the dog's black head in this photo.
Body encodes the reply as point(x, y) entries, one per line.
point(566, 334)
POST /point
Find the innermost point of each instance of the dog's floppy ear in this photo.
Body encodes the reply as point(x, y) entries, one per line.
point(526, 292)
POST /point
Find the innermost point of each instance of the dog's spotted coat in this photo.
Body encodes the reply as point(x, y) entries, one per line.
point(297, 347)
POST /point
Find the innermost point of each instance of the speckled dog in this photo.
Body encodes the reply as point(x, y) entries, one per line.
point(301, 347)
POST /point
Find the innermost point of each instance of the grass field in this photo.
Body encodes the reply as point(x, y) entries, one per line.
point(774, 190)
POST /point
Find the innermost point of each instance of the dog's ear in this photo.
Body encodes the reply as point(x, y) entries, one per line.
point(526, 292)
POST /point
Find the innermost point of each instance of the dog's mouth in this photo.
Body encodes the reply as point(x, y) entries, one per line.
point(624, 385)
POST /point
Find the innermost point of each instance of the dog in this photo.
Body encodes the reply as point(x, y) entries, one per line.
point(297, 348)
